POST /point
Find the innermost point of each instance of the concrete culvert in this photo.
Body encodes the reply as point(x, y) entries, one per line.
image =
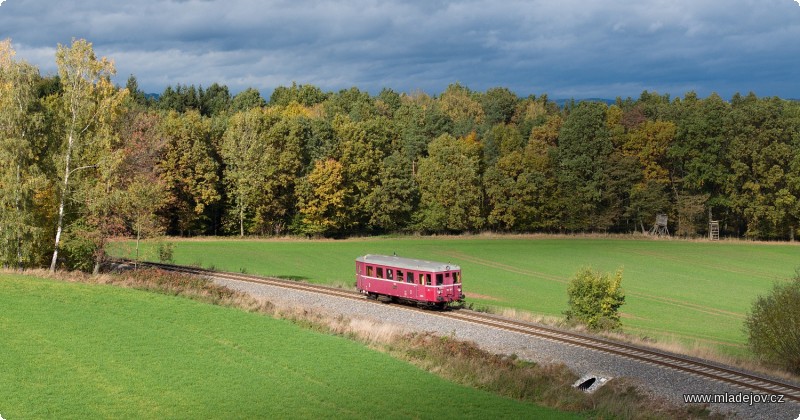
point(590, 383)
point(583, 386)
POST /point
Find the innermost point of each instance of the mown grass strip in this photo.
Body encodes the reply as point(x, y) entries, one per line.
point(87, 351)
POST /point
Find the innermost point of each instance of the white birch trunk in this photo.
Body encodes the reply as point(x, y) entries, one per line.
point(60, 225)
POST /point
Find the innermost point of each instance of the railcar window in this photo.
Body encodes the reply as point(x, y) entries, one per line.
point(439, 279)
point(389, 274)
point(370, 270)
point(409, 277)
point(427, 279)
point(456, 277)
point(380, 272)
point(420, 278)
point(400, 275)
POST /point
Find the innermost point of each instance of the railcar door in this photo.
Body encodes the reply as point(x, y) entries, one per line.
point(430, 290)
point(409, 286)
point(421, 287)
point(447, 288)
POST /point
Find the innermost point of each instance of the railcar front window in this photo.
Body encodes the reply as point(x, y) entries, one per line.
point(439, 279)
point(456, 277)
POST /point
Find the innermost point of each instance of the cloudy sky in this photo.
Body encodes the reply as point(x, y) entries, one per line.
point(565, 48)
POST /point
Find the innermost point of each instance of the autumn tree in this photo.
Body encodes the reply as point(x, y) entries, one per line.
point(145, 192)
point(243, 150)
point(648, 144)
point(459, 103)
point(361, 162)
point(387, 102)
point(500, 140)
point(520, 185)
point(190, 170)
point(420, 120)
point(321, 199)
point(698, 154)
point(354, 103)
point(764, 182)
point(583, 150)
point(393, 199)
point(246, 100)
point(20, 175)
point(306, 95)
point(282, 168)
point(450, 186)
point(88, 104)
point(533, 112)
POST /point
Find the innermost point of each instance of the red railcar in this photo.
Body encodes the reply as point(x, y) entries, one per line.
point(426, 283)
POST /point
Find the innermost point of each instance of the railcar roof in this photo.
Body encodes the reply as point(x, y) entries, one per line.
point(408, 263)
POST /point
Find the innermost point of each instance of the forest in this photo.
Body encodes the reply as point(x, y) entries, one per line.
point(83, 160)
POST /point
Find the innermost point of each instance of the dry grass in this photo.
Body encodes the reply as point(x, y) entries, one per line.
point(460, 361)
point(549, 385)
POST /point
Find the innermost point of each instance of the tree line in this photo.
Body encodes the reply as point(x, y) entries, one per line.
point(84, 160)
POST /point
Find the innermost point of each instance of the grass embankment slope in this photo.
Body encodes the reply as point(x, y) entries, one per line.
point(689, 291)
point(86, 351)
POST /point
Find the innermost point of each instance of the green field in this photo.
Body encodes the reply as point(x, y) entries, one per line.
point(688, 291)
point(87, 351)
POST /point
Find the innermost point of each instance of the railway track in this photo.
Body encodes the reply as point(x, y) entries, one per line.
point(748, 381)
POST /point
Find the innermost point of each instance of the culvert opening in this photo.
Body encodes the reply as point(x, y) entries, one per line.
point(590, 383)
point(583, 386)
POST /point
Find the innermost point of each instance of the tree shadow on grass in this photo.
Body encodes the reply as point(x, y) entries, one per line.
point(292, 278)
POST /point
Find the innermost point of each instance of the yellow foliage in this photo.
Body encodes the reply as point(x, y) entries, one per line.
point(295, 109)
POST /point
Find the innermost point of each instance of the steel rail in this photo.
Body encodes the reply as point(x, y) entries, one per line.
point(654, 357)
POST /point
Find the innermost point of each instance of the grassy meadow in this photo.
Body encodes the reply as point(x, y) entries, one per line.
point(693, 292)
point(86, 351)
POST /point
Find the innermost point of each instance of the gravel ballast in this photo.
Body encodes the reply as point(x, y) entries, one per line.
point(665, 383)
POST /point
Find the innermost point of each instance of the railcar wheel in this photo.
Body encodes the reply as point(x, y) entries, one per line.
point(372, 296)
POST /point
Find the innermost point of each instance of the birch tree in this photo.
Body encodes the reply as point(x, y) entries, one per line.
point(88, 103)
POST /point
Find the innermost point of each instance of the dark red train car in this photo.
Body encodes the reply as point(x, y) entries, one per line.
point(426, 283)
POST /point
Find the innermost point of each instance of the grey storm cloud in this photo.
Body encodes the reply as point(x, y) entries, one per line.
point(566, 49)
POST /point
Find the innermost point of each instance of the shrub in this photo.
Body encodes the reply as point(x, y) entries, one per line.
point(773, 325)
point(165, 251)
point(595, 298)
point(78, 249)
